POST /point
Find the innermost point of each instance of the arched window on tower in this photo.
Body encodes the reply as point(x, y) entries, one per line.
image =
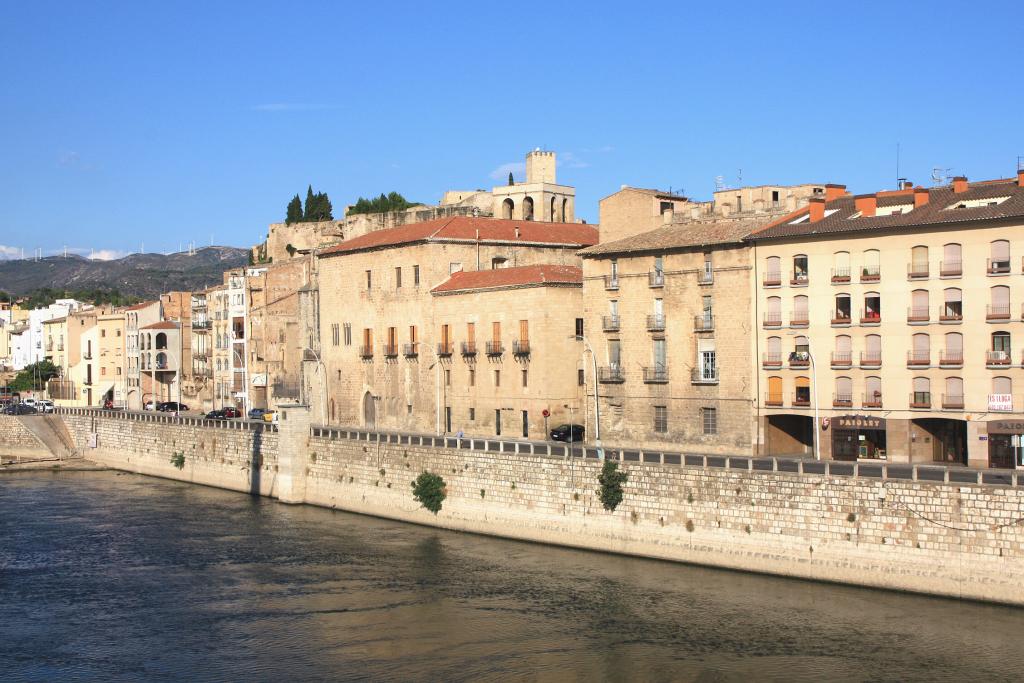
point(528, 209)
point(507, 207)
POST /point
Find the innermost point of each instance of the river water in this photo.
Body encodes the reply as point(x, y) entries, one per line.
point(117, 577)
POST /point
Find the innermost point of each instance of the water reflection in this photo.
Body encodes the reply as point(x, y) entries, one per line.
point(118, 577)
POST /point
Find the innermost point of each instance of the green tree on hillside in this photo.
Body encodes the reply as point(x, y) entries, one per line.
point(35, 376)
point(294, 213)
point(392, 201)
point(318, 206)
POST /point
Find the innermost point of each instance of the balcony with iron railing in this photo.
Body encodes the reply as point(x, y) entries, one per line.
point(704, 323)
point(656, 278)
point(390, 350)
point(997, 266)
point(841, 275)
point(611, 282)
point(841, 317)
point(920, 400)
point(201, 324)
point(411, 350)
point(772, 279)
point(842, 400)
point(703, 375)
point(997, 312)
point(773, 399)
point(870, 318)
point(918, 270)
point(799, 279)
point(799, 359)
point(998, 359)
point(445, 349)
point(871, 359)
point(656, 375)
point(799, 318)
point(656, 322)
point(802, 399)
point(772, 320)
point(60, 346)
point(951, 268)
point(917, 315)
point(872, 400)
point(870, 274)
point(951, 312)
point(771, 360)
point(366, 351)
point(469, 348)
point(610, 323)
point(952, 402)
point(495, 348)
point(49, 346)
point(611, 374)
point(842, 360)
point(520, 347)
point(919, 358)
point(951, 359)
point(706, 276)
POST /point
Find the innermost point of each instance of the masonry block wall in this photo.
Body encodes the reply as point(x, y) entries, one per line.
point(17, 441)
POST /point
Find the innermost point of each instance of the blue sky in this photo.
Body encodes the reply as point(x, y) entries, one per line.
point(171, 122)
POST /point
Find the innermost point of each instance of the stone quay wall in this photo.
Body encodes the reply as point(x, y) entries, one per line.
point(16, 441)
point(964, 541)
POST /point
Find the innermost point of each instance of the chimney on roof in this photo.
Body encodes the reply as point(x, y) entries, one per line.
point(921, 196)
point(907, 185)
point(833, 191)
point(959, 184)
point(866, 204)
point(1020, 177)
point(817, 208)
point(517, 232)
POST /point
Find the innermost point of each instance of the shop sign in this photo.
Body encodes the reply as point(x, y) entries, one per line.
point(1000, 402)
point(859, 422)
point(1006, 427)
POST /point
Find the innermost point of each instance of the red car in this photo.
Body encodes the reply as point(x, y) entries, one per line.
point(232, 412)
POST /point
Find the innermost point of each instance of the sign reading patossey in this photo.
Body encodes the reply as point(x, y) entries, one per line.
point(1000, 402)
point(859, 422)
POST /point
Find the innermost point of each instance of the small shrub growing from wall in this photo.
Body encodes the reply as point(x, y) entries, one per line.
point(611, 481)
point(178, 459)
point(429, 490)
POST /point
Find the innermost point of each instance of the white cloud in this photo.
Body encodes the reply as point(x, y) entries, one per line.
point(570, 160)
point(516, 168)
point(9, 252)
point(107, 254)
point(73, 160)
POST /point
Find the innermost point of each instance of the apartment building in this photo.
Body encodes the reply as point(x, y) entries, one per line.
point(111, 381)
point(138, 385)
point(230, 350)
point(461, 323)
point(198, 388)
point(891, 318)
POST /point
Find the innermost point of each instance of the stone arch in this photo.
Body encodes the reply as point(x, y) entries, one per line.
point(528, 209)
point(161, 340)
point(565, 211)
point(507, 209)
point(553, 216)
point(369, 410)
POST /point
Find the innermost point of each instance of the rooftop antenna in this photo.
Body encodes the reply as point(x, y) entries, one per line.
point(719, 183)
point(739, 177)
point(1020, 163)
point(939, 175)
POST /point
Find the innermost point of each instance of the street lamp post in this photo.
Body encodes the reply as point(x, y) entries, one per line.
point(814, 392)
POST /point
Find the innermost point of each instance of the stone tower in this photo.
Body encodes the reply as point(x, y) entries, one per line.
point(540, 167)
point(540, 198)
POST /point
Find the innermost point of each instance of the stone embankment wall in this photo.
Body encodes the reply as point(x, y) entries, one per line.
point(954, 540)
point(16, 441)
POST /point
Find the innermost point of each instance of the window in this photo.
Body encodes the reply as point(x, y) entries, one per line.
point(1002, 394)
point(773, 270)
point(526, 377)
point(842, 312)
point(1001, 351)
point(472, 414)
point(614, 353)
point(398, 277)
point(844, 392)
point(103, 333)
point(952, 261)
point(413, 336)
point(369, 280)
point(472, 377)
point(954, 351)
point(661, 419)
point(841, 266)
point(497, 422)
point(918, 305)
point(773, 312)
point(497, 378)
point(773, 351)
point(447, 377)
point(454, 267)
point(579, 327)
point(709, 420)
point(844, 350)
point(348, 334)
point(499, 262)
point(1000, 260)
point(707, 273)
point(581, 377)
point(954, 396)
point(774, 397)
point(952, 307)
point(1000, 303)
point(872, 312)
point(802, 395)
point(708, 361)
point(335, 335)
point(922, 394)
point(871, 270)
point(918, 261)
point(873, 392)
point(920, 355)
point(800, 311)
point(416, 276)
point(659, 265)
point(800, 269)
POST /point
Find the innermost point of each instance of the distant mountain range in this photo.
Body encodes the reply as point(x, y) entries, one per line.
point(142, 275)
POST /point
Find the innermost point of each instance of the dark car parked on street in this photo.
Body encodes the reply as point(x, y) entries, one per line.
point(215, 415)
point(564, 432)
point(231, 412)
point(171, 407)
point(20, 409)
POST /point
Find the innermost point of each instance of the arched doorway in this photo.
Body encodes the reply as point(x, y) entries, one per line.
point(528, 209)
point(369, 410)
point(507, 207)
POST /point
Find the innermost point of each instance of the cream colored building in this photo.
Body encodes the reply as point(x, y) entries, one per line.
point(540, 198)
point(138, 385)
point(899, 316)
point(463, 323)
point(112, 363)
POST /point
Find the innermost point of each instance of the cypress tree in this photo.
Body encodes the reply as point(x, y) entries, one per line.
point(294, 213)
point(511, 180)
point(310, 204)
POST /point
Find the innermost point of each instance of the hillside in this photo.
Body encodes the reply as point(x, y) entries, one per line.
point(141, 275)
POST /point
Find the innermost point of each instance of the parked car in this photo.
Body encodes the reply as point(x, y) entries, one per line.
point(149, 405)
point(270, 416)
point(171, 407)
point(564, 432)
point(257, 413)
point(44, 406)
point(231, 412)
point(29, 401)
point(215, 415)
point(20, 409)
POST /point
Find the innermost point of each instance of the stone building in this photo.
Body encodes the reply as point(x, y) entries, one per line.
point(111, 340)
point(138, 385)
point(161, 354)
point(198, 387)
point(230, 351)
point(894, 314)
point(540, 198)
point(407, 316)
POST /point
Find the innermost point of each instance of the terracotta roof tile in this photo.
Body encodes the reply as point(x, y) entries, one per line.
point(502, 278)
point(137, 307)
point(464, 228)
point(936, 212)
point(162, 325)
point(688, 234)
